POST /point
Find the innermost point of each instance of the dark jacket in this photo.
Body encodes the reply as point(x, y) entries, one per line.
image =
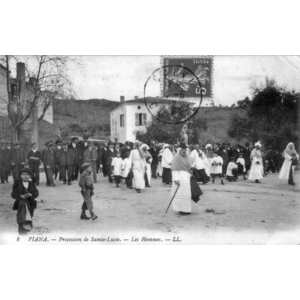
point(19, 190)
point(17, 157)
point(34, 158)
point(108, 156)
point(63, 158)
point(90, 155)
point(154, 153)
point(48, 157)
point(74, 154)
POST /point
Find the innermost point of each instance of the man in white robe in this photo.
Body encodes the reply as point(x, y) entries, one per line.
point(138, 168)
point(181, 176)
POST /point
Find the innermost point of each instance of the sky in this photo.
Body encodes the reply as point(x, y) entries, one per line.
point(233, 76)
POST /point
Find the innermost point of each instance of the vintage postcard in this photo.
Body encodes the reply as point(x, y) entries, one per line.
point(168, 149)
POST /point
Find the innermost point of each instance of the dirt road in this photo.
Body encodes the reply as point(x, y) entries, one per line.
point(236, 213)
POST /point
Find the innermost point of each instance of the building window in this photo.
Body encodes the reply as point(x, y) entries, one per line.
point(122, 120)
point(140, 119)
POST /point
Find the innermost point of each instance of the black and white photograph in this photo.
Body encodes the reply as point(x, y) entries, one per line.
point(149, 149)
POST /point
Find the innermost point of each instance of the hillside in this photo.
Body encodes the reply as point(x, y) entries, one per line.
point(218, 122)
point(74, 116)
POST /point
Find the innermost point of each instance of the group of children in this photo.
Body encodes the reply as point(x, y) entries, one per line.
point(121, 168)
point(235, 168)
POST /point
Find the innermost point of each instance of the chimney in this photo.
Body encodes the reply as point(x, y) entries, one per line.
point(122, 99)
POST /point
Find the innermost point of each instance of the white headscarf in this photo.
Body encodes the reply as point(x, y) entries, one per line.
point(257, 144)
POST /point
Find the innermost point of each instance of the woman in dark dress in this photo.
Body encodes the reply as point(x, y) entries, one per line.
point(25, 193)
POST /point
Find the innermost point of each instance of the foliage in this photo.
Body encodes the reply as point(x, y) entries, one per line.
point(45, 77)
point(171, 133)
point(271, 117)
point(160, 130)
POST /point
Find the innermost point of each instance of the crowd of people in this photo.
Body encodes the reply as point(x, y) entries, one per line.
point(135, 165)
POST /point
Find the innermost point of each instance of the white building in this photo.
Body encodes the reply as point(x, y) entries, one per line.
point(132, 116)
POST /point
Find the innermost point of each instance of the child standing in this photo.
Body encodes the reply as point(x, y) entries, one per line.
point(241, 164)
point(231, 172)
point(87, 191)
point(216, 169)
point(117, 168)
point(126, 170)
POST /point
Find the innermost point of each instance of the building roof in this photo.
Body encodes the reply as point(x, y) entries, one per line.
point(150, 100)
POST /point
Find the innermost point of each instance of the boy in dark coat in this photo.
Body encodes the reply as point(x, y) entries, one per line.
point(25, 193)
point(87, 191)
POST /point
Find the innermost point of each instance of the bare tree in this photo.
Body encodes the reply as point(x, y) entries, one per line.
point(48, 80)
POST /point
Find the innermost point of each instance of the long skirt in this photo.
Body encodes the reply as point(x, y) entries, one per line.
point(182, 200)
point(256, 171)
point(196, 192)
point(200, 175)
point(284, 173)
point(138, 178)
point(167, 176)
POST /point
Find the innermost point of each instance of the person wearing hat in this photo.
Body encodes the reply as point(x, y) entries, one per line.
point(74, 157)
point(34, 160)
point(48, 161)
point(25, 193)
point(256, 170)
point(87, 191)
point(62, 162)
